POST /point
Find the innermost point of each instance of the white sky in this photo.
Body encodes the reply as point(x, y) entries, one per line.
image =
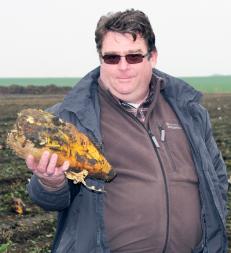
point(55, 38)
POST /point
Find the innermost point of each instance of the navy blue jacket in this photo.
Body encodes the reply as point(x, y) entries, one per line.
point(80, 225)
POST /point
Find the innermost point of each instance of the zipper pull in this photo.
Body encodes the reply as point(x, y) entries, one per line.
point(155, 141)
point(162, 135)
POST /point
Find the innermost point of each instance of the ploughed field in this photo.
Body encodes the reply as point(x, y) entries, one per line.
point(33, 230)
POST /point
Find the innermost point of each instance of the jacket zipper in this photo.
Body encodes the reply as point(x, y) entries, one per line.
point(155, 145)
point(196, 153)
point(164, 139)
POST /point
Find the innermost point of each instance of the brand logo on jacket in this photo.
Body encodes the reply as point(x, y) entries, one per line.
point(173, 125)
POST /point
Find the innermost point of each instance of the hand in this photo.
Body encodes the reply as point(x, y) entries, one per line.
point(46, 169)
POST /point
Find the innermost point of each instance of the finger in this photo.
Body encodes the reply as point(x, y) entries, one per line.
point(43, 162)
point(65, 166)
point(30, 163)
point(52, 164)
point(59, 171)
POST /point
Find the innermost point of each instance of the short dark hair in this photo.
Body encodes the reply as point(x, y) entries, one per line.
point(131, 21)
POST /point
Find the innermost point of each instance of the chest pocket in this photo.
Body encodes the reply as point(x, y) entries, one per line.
point(179, 152)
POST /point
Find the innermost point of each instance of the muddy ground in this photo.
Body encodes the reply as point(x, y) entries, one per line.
point(33, 230)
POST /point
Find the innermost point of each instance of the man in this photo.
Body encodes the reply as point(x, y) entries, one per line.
point(170, 191)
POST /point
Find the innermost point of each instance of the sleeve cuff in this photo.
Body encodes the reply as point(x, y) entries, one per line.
point(51, 189)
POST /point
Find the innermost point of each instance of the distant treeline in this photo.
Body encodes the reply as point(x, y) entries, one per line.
point(206, 84)
point(32, 89)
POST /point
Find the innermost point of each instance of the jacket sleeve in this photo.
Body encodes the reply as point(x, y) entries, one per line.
point(218, 163)
point(48, 200)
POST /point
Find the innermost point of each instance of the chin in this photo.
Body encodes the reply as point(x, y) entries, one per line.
point(123, 91)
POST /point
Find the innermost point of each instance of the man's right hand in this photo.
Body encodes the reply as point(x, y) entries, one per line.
point(46, 169)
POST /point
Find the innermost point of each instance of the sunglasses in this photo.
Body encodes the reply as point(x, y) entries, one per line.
point(130, 58)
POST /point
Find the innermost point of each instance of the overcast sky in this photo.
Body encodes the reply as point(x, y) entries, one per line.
point(55, 38)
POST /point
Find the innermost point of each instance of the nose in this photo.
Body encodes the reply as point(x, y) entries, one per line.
point(123, 64)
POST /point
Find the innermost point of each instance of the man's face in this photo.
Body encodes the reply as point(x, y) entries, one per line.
point(129, 82)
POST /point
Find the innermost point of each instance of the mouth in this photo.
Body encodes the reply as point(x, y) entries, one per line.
point(124, 78)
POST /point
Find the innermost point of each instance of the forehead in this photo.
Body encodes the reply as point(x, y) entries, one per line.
point(120, 43)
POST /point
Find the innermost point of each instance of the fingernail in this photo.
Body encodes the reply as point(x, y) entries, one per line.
point(46, 153)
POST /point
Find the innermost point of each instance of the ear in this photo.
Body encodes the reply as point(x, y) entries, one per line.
point(153, 58)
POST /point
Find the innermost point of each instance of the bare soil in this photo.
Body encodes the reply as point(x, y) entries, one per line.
point(33, 230)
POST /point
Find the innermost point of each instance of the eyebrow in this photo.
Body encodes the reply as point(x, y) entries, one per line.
point(128, 52)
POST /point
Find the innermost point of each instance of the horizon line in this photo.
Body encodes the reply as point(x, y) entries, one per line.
point(73, 77)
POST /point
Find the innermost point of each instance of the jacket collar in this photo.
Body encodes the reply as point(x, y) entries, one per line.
point(177, 90)
point(82, 100)
point(79, 99)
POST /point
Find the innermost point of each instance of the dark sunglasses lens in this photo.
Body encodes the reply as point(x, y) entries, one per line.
point(111, 58)
point(134, 58)
point(130, 58)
